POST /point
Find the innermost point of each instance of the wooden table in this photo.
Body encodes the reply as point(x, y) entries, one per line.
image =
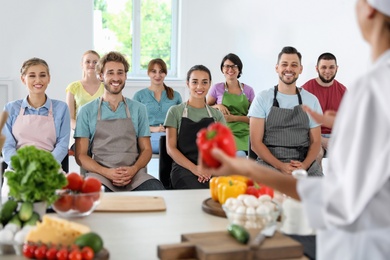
point(137, 235)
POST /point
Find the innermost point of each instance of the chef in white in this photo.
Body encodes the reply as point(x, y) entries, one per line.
point(349, 206)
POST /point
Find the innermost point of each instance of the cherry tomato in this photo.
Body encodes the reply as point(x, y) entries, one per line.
point(91, 185)
point(87, 253)
point(75, 181)
point(64, 203)
point(75, 254)
point(40, 252)
point(82, 203)
point(62, 254)
point(51, 253)
point(29, 249)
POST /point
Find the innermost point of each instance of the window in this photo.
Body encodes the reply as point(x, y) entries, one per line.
point(140, 29)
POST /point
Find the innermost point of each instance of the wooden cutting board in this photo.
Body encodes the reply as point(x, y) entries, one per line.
point(221, 246)
point(120, 203)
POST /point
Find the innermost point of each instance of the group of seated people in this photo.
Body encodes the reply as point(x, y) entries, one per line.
point(113, 137)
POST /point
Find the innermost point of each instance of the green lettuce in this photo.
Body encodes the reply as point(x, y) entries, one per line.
point(35, 177)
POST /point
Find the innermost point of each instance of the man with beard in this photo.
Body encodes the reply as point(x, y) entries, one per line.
point(328, 91)
point(282, 135)
point(114, 130)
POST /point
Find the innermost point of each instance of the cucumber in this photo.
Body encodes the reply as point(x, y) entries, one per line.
point(239, 233)
point(15, 220)
point(26, 210)
point(90, 239)
point(33, 220)
point(7, 211)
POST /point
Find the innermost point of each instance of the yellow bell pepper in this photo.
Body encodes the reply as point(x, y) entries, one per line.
point(214, 182)
point(231, 189)
point(240, 178)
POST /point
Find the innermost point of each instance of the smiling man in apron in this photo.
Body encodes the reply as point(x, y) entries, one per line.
point(282, 135)
point(115, 130)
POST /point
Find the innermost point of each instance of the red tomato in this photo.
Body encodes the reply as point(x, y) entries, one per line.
point(82, 203)
point(51, 253)
point(216, 135)
point(64, 203)
point(75, 181)
point(40, 252)
point(87, 253)
point(29, 249)
point(62, 254)
point(91, 185)
point(75, 254)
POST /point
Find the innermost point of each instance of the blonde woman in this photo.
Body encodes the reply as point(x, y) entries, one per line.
point(87, 89)
point(36, 120)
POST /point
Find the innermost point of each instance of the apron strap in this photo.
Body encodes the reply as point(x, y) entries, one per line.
point(241, 85)
point(275, 101)
point(185, 111)
point(100, 104)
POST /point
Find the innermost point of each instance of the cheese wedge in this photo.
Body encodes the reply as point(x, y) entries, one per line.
point(56, 231)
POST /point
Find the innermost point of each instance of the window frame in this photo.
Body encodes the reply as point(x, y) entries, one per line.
point(136, 72)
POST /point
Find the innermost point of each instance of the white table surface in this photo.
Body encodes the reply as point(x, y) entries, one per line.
point(136, 235)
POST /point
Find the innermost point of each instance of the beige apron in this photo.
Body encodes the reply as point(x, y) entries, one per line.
point(34, 130)
point(115, 145)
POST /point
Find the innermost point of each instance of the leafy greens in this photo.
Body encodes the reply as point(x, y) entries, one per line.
point(36, 176)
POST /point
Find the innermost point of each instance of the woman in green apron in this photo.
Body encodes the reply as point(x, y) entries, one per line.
point(233, 99)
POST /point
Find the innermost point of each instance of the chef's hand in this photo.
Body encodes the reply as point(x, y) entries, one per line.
point(327, 119)
point(229, 165)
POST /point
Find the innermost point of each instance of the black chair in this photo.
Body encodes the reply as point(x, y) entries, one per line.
point(251, 153)
point(165, 164)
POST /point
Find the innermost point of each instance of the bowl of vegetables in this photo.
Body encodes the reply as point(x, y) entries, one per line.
point(79, 198)
point(251, 212)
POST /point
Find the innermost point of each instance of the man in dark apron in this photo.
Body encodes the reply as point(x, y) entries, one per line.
point(282, 135)
point(115, 131)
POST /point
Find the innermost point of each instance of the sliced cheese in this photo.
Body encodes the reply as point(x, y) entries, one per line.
point(56, 230)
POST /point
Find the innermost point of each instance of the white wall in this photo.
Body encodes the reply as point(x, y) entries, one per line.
point(60, 31)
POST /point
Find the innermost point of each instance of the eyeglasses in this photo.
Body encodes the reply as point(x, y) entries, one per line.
point(226, 67)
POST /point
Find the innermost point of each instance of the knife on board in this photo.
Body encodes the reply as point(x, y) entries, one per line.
point(255, 244)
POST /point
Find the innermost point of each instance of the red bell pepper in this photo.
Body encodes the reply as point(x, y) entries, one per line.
point(259, 189)
point(216, 135)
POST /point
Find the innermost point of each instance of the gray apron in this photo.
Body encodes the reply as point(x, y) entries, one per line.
point(115, 145)
point(286, 134)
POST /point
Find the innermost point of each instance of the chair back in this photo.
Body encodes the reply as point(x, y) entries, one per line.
point(251, 153)
point(165, 164)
